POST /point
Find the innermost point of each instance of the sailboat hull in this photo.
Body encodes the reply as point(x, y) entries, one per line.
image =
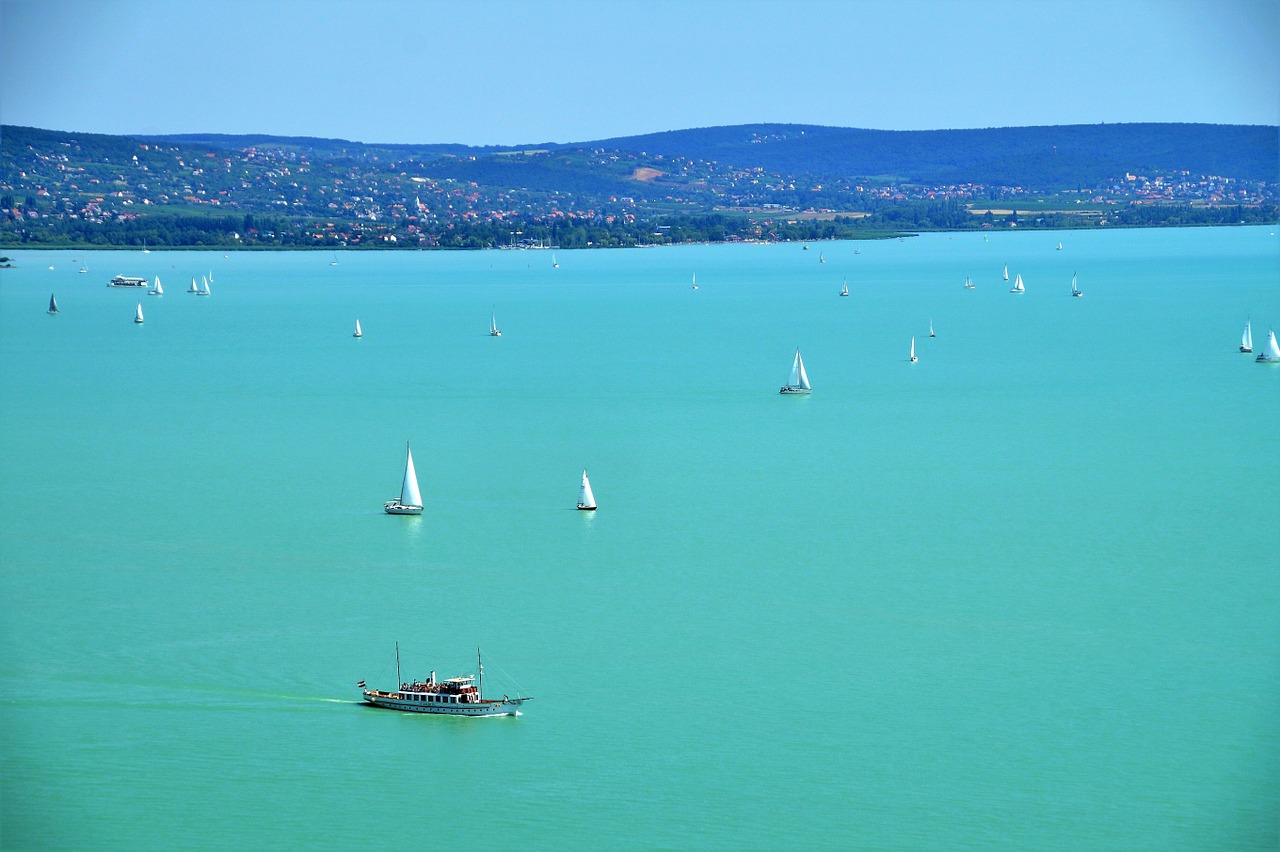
point(583, 508)
point(789, 389)
point(395, 507)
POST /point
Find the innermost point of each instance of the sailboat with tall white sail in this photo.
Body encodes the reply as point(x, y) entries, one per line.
point(1075, 290)
point(53, 304)
point(968, 283)
point(798, 381)
point(157, 290)
point(1246, 339)
point(410, 501)
point(1018, 286)
point(844, 287)
point(931, 334)
point(204, 287)
point(586, 499)
point(1270, 354)
point(493, 326)
point(695, 281)
point(555, 264)
point(357, 332)
point(1006, 272)
point(912, 357)
point(137, 315)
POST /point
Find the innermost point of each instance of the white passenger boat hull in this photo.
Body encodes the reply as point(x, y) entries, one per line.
point(417, 703)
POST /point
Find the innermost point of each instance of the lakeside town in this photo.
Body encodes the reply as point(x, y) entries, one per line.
point(108, 191)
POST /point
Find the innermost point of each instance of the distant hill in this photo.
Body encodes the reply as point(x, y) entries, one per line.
point(1048, 158)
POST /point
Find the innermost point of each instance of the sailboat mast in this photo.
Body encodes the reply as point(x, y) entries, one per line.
point(398, 680)
point(479, 676)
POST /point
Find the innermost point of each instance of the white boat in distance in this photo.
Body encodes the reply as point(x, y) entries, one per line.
point(1271, 353)
point(410, 501)
point(1006, 272)
point(844, 288)
point(555, 264)
point(586, 500)
point(493, 326)
point(357, 332)
point(204, 287)
point(968, 283)
point(157, 290)
point(53, 304)
point(194, 288)
point(798, 381)
point(137, 315)
point(912, 357)
point(1017, 285)
point(1246, 339)
point(931, 334)
point(456, 696)
point(1075, 291)
point(695, 281)
point(1059, 246)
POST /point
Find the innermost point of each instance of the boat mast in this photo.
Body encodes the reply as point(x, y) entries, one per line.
point(398, 681)
point(479, 676)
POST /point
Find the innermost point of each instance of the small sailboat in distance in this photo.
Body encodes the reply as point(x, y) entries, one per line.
point(204, 287)
point(53, 304)
point(586, 500)
point(1246, 339)
point(822, 258)
point(493, 326)
point(357, 332)
point(157, 290)
point(968, 283)
point(555, 264)
point(1018, 286)
point(137, 315)
point(1075, 291)
point(410, 501)
point(695, 281)
point(1059, 246)
point(194, 287)
point(798, 381)
point(844, 287)
point(1271, 353)
point(931, 334)
point(912, 358)
point(1006, 272)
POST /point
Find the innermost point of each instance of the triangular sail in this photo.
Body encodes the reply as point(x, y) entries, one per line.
point(1018, 285)
point(53, 304)
point(194, 288)
point(137, 315)
point(798, 378)
point(409, 495)
point(913, 349)
point(358, 332)
point(586, 499)
point(1246, 339)
point(1006, 272)
point(1272, 348)
point(1074, 288)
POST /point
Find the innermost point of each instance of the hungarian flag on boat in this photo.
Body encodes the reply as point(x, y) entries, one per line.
point(360, 684)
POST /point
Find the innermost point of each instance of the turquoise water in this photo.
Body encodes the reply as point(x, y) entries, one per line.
point(1022, 593)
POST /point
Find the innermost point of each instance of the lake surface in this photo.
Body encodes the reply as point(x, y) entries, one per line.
point(1023, 593)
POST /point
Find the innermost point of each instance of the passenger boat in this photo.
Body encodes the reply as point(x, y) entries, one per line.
point(456, 696)
point(127, 281)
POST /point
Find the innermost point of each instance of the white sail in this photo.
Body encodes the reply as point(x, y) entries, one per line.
point(137, 315)
point(913, 357)
point(204, 286)
point(931, 334)
point(1246, 339)
point(1273, 350)
point(844, 287)
point(1074, 288)
point(1018, 286)
point(798, 379)
point(493, 326)
point(409, 495)
point(358, 332)
point(158, 290)
point(194, 288)
point(53, 304)
point(586, 500)
point(1006, 272)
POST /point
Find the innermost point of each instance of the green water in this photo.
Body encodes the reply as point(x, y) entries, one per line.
point(1022, 593)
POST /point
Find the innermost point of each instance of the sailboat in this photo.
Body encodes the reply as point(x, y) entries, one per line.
point(1006, 272)
point(410, 501)
point(968, 283)
point(1018, 286)
point(555, 264)
point(822, 258)
point(1246, 339)
point(1075, 291)
point(157, 290)
point(334, 262)
point(493, 326)
point(913, 357)
point(798, 382)
point(844, 288)
point(194, 288)
point(204, 287)
point(357, 332)
point(137, 315)
point(586, 500)
point(1059, 246)
point(695, 281)
point(1270, 355)
point(53, 304)
point(931, 334)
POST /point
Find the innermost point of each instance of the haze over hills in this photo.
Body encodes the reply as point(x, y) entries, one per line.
point(758, 180)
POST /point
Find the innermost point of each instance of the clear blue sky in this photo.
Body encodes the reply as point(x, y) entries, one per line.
point(482, 72)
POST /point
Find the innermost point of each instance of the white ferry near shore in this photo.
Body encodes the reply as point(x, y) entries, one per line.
point(456, 696)
point(127, 281)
